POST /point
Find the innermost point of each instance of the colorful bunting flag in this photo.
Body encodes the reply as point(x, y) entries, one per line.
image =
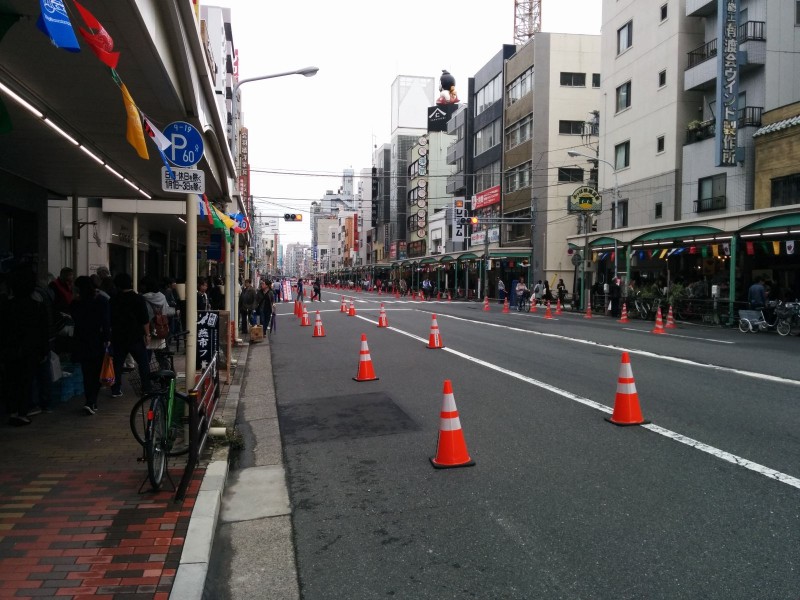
point(201, 208)
point(134, 133)
point(663, 253)
point(161, 142)
point(209, 216)
point(715, 250)
point(54, 22)
point(99, 41)
point(776, 248)
point(224, 219)
point(764, 247)
point(789, 246)
point(218, 224)
point(750, 248)
point(693, 250)
point(704, 251)
point(726, 249)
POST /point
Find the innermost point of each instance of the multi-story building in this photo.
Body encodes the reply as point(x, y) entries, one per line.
point(686, 86)
point(380, 186)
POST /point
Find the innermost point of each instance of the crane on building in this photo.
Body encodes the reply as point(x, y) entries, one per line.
point(527, 20)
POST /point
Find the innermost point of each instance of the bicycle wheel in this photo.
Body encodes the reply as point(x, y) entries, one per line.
point(178, 440)
point(138, 419)
point(744, 325)
point(155, 441)
point(784, 326)
point(643, 311)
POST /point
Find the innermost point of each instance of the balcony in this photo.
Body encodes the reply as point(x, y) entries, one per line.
point(749, 116)
point(700, 8)
point(701, 71)
point(709, 204)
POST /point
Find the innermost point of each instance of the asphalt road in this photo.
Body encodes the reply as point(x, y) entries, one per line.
point(702, 503)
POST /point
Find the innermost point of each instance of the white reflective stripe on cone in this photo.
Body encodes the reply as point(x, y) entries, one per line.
point(449, 424)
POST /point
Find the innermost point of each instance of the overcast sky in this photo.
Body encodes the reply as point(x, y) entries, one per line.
point(313, 128)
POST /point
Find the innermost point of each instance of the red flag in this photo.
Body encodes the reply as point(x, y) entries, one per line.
point(99, 41)
point(750, 248)
point(692, 249)
point(208, 210)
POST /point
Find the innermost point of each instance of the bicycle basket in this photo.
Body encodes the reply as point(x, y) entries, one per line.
point(135, 379)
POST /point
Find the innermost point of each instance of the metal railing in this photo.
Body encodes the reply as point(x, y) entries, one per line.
point(748, 31)
point(203, 400)
point(707, 204)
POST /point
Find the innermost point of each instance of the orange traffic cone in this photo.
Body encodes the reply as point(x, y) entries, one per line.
point(319, 330)
point(449, 297)
point(343, 307)
point(547, 313)
point(297, 311)
point(305, 321)
point(624, 318)
point(505, 306)
point(435, 340)
point(396, 293)
point(486, 304)
point(451, 449)
point(365, 370)
point(352, 311)
point(533, 303)
point(659, 328)
point(382, 320)
point(588, 314)
point(438, 296)
point(670, 319)
point(558, 306)
point(626, 404)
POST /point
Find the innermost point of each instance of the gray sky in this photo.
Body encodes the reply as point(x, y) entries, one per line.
point(313, 128)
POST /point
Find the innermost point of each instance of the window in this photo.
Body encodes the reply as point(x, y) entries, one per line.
point(488, 176)
point(488, 137)
point(518, 177)
point(711, 193)
point(785, 190)
point(663, 12)
point(624, 96)
point(519, 132)
point(624, 37)
point(570, 127)
point(662, 78)
point(489, 94)
point(622, 155)
point(570, 175)
point(660, 144)
point(659, 210)
point(797, 13)
point(519, 87)
point(619, 214)
point(595, 80)
point(573, 79)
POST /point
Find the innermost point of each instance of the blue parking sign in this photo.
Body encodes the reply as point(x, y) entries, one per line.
point(186, 144)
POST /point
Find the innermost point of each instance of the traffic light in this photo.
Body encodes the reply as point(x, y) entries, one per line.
point(292, 217)
point(468, 221)
point(473, 221)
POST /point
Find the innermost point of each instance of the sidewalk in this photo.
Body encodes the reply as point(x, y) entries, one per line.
point(72, 523)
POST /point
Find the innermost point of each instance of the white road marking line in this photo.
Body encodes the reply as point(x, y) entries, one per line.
point(692, 443)
point(687, 337)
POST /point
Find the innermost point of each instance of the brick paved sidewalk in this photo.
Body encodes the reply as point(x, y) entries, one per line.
point(72, 521)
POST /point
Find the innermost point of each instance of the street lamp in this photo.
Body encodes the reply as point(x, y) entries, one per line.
point(596, 159)
point(234, 146)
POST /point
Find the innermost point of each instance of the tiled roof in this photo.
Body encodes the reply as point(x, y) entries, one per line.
point(778, 126)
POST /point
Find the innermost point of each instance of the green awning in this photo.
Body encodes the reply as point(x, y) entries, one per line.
point(468, 256)
point(446, 258)
point(604, 241)
point(511, 254)
point(790, 220)
point(675, 232)
point(428, 260)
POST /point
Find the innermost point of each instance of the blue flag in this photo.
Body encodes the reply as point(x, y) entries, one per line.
point(54, 22)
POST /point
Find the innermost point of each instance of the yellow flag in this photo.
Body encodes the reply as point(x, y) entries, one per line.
point(226, 220)
point(663, 253)
point(776, 248)
point(715, 250)
point(134, 135)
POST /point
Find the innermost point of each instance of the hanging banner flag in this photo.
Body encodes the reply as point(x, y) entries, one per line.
point(704, 251)
point(134, 133)
point(764, 247)
point(776, 248)
point(55, 24)
point(641, 254)
point(224, 219)
point(726, 249)
point(693, 250)
point(98, 39)
point(715, 250)
point(750, 248)
point(161, 142)
point(663, 253)
point(789, 246)
point(209, 216)
point(201, 208)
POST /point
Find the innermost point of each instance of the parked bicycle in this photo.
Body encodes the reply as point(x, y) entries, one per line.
point(157, 419)
point(764, 319)
point(788, 317)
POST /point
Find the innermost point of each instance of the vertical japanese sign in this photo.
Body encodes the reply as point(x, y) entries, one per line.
point(727, 83)
point(207, 338)
point(459, 227)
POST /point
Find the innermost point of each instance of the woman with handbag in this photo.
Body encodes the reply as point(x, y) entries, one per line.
point(92, 317)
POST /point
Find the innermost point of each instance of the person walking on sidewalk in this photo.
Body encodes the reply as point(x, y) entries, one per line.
point(92, 316)
point(247, 302)
point(264, 301)
point(130, 332)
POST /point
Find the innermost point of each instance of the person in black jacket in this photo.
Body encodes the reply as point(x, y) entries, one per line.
point(92, 316)
point(130, 332)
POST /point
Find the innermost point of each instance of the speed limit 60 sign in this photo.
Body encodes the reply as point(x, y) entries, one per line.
point(186, 144)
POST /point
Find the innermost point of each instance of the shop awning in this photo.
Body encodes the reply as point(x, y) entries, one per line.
point(511, 254)
point(776, 222)
point(675, 232)
point(603, 241)
point(428, 260)
point(446, 258)
point(468, 256)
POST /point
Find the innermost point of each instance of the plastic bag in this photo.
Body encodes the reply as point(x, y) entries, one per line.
point(55, 367)
point(107, 377)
